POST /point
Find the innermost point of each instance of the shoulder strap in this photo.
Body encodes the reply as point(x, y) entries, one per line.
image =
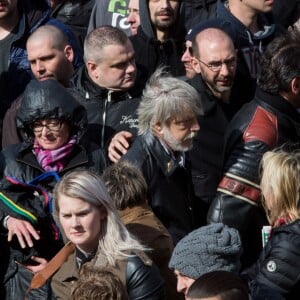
point(52, 266)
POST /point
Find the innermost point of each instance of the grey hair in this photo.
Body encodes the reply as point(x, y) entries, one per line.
point(100, 37)
point(115, 240)
point(164, 98)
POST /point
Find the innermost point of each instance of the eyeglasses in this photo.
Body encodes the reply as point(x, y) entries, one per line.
point(217, 66)
point(54, 125)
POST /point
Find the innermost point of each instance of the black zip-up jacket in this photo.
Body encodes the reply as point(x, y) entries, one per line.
point(108, 111)
point(170, 185)
point(278, 266)
point(267, 122)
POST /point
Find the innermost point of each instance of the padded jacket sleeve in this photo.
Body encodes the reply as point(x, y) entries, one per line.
point(238, 196)
point(143, 281)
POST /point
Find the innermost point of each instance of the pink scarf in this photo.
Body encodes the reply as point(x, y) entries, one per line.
point(54, 160)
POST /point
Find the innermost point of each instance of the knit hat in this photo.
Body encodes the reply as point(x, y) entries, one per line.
point(209, 248)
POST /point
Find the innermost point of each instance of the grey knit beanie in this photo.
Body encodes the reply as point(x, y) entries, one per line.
point(209, 248)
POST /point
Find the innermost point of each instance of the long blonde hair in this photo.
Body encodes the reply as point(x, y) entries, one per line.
point(115, 242)
point(280, 184)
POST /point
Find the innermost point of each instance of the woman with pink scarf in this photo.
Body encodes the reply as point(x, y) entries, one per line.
point(52, 124)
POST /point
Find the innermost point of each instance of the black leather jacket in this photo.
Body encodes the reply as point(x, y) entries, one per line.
point(170, 185)
point(266, 122)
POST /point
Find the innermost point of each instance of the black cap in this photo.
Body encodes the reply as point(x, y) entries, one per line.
point(211, 23)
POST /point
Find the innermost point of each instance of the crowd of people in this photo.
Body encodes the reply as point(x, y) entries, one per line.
point(148, 146)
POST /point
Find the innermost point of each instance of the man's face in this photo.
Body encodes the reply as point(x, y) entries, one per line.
point(49, 62)
point(258, 6)
point(186, 59)
point(117, 69)
point(7, 8)
point(178, 134)
point(183, 282)
point(214, 54)
point(133, 16)
point(163, 13)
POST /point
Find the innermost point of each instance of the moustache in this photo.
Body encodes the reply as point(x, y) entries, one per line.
point(190, 136)
point(165, 12)
point(226, 78)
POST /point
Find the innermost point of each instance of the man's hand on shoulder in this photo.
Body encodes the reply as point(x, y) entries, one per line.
point(119, 145)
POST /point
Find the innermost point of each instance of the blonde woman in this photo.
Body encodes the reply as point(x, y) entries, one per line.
point(91, 222)
point(278, 267)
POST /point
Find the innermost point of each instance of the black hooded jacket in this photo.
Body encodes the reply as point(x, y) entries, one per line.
point(151, 53)
point(26, 187)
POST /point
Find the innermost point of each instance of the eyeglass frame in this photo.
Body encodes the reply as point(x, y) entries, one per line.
point(59, 126)
point(229, 64)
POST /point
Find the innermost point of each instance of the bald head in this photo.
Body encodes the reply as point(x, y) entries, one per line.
point(215, 60)
point(50, 33)
point(209, 39)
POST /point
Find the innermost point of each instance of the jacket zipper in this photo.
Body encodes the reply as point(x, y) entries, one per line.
point(107, 100)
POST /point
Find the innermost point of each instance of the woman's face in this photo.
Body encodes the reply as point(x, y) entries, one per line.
point(51, 134)
point(81, 222)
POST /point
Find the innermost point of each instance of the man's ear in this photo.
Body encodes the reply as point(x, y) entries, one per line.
point(92, 69)
point(295, 86)
point(195, 64)
point(158, 129)
point(69, 53)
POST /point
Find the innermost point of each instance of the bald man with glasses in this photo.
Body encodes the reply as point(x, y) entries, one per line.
point(214, 61)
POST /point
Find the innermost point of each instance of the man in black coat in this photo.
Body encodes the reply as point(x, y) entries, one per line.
point(214, 60)
point(167, 124)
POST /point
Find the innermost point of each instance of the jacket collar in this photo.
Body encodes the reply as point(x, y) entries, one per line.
point(88, 89)
point(208, 99)
point(277, 102)
point(78, 157)
point(165, 160)
point(131, 213)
